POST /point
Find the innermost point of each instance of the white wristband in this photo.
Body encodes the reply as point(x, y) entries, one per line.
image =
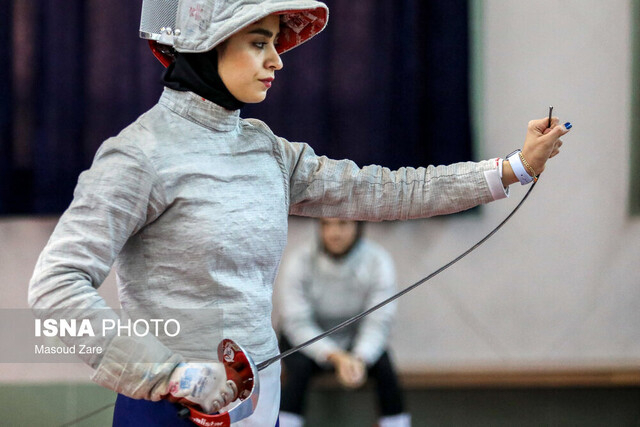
point(518, 168)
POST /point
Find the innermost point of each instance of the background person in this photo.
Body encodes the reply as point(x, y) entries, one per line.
point(325, 283)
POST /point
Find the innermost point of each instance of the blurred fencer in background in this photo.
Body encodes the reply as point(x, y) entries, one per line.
point(331, 279)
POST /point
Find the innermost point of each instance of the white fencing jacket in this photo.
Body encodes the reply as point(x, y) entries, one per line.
point(190, 203)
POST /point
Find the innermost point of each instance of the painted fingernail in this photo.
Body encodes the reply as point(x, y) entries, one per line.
point(568, 125)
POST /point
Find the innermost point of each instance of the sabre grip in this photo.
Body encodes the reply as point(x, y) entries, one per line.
point(238, 372)
point(204, 385)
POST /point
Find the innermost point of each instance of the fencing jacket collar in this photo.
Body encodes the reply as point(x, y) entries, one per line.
point(196, 109)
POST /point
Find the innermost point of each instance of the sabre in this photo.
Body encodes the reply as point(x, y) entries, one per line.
point(357, 317)
point(204, 419)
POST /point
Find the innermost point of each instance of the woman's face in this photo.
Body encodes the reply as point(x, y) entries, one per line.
point(247, 61)
point(337, 234)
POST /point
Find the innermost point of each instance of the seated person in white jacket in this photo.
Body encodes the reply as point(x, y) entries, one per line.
point(324, 284)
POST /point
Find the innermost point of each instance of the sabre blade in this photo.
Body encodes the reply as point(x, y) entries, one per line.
point(357, 317)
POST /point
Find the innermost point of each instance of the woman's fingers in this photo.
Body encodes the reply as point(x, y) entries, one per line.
point(556, 148)
point(541, 126)
point(351, 372)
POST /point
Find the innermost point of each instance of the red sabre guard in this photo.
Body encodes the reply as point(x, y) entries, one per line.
point(230, 354)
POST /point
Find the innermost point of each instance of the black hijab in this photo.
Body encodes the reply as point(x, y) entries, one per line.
point(198, 73)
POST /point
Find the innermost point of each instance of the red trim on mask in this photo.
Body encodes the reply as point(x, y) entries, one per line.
point(298, 26)
point(161, 53)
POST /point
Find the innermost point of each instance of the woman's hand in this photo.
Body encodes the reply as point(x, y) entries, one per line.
point(540, 144)
point(209, 386)
point(350, 370)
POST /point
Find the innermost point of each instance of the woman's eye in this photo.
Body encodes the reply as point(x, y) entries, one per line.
point(260, 45)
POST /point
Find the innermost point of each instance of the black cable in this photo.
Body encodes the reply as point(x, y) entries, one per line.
point(89, 415)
